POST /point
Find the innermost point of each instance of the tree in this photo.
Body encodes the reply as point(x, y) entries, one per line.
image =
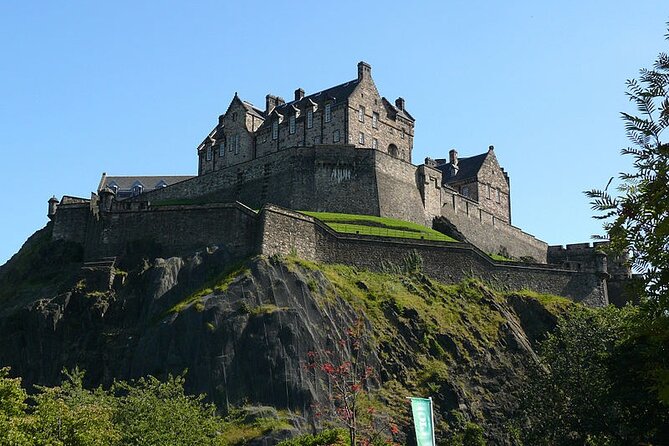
point(348, 375)
point(637, 220)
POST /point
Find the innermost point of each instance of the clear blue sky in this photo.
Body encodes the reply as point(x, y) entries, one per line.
point(132, 87)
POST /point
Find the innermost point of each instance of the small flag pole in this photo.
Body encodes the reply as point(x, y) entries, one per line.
point(434, 441)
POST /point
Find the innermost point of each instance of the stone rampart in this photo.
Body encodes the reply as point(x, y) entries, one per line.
point(449, 262)
point(321, 178)
point(183, 229)
point(487, 232)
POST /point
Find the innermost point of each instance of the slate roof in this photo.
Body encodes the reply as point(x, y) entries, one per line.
point(338, 94)
point(468, 168)
point(253, 109)
point(148, 182)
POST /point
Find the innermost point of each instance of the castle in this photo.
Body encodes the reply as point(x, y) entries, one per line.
point(345, 149)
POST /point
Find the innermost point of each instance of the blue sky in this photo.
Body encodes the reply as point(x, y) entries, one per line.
point(131, 87)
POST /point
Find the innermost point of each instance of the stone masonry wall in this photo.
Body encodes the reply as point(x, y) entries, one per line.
point(173, 230)
point(449, 262)
point(322, 178)
point(488, 232)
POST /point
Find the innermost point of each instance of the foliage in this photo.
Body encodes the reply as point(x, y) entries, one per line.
point(637, 220)
point(348, 374)
point(587, 388)
point(327, 437)
point(379, 226)
point(144, 412)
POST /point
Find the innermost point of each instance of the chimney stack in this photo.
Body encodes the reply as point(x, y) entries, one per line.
point(299, 94)
point(364, 70)
point(271, 102)
point(453, 157)
point(399, 103)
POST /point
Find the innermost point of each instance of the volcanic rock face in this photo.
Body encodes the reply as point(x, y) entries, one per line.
point(245, 331)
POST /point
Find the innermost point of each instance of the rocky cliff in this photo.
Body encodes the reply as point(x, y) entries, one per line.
point(245, 330)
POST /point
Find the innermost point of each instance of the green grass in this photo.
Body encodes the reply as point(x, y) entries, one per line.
point(377, 226)
point(218, 284)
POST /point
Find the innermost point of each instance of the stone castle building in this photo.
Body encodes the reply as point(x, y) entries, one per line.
point(344, 149)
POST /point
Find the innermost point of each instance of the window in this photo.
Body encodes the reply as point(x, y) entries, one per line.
point(488, 191)
point(375, 120)
point(317, 139)
point(275, 130)
point(361, 138)
point(221, 149)
point(335, 136)
point(328, 112)
point(236, 143)
point(310, 118)
point(136, 190)
point(464, 190)
point(403, 131)
point(292, 124)
point(209, 153)
point(234, 116)
point(499, 196)
point(361, 114)
point(375, 143)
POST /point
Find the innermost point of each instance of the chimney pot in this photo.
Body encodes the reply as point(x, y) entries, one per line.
point(399, 102)
point(299, 94)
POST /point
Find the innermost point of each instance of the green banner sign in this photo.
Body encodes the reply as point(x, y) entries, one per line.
point(422, 421)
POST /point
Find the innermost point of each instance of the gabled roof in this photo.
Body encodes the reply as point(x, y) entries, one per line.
point(468, 168)
point(397, 111)
point(148, 182)
point(252, 109)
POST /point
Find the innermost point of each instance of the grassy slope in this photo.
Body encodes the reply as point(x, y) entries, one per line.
point(380, 226)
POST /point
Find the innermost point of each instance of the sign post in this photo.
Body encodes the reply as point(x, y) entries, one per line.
point(423, 420)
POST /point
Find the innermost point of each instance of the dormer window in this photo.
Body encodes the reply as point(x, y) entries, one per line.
point(310, 118)
point(361, 114)
point(292, 124)
point(328, 112)
point(136, 190)
point(275, 130)
point(209, 154)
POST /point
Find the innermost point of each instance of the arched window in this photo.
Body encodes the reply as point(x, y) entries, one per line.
point(392, 150)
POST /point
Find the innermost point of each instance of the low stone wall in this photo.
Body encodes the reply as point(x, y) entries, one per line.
point(487, 232)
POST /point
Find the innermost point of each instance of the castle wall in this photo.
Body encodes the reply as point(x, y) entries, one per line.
point(448, 262)
point(172, 230)
point(71, 222)
point(399, 196)
point(488, 232)
point(323, 178)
